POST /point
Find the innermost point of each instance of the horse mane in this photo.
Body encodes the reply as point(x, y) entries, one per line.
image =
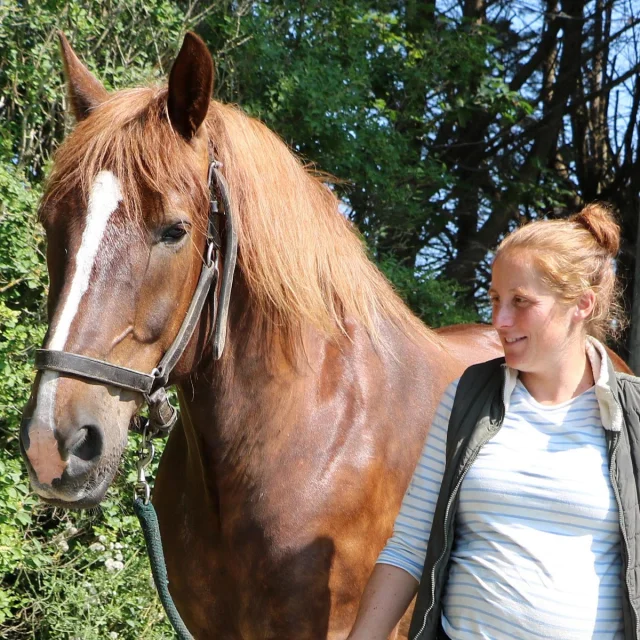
point(302, 260)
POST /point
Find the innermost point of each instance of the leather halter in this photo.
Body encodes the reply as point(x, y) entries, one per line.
point(162, 415)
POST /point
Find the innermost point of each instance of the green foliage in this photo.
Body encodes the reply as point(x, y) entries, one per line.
point(434, 299)
point(74, 575)
point(62, 575)
point(360, 89)
point(22, 284)
point(124, 42)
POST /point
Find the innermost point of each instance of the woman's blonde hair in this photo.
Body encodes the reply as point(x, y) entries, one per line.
point(575, 255)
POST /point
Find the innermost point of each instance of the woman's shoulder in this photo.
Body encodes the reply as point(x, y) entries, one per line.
point(628, 394)
point(628, 380)
point(480, 372)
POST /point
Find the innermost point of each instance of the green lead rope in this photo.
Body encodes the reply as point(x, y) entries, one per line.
point(149, 523)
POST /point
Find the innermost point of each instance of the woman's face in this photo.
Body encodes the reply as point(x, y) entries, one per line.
point(535, 327)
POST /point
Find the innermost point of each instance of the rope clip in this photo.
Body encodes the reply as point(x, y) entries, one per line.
point(146, 451)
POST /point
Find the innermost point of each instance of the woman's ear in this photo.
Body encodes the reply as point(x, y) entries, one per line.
point(585, 306)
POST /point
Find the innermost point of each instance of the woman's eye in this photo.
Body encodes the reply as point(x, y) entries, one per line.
point(174, 233)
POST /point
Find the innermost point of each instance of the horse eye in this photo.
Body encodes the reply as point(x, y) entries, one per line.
point(174, 233)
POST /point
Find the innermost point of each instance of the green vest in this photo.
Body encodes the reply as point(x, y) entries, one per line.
point(477, 414)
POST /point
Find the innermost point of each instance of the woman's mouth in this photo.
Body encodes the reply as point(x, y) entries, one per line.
point(514, 340)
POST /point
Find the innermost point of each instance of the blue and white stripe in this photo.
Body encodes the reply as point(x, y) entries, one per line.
point(537, 550)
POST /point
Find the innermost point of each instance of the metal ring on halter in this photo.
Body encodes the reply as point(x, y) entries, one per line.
point(210, 251)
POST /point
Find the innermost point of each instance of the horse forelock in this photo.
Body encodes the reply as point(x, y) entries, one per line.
point(131, 136)
point(303, 262)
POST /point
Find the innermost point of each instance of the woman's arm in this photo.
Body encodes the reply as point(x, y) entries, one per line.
point(395, 578)
point(384, 601)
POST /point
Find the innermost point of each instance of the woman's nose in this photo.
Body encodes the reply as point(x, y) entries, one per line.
point(502, 316)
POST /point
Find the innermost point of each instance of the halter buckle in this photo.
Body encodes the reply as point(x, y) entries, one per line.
point(162, 414)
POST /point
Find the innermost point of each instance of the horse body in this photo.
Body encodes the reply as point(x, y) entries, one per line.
point(300, 505)
point(281, 485)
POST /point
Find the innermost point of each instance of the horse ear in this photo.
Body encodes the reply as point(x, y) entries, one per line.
point(85, 91)
point(190, 85)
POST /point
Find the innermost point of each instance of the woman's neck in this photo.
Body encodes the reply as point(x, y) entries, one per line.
point(571, 376)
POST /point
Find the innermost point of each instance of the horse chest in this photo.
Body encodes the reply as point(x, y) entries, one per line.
point(247, 587)
point(238, 575)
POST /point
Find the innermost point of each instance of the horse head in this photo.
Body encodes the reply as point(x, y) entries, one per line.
point(126, 215)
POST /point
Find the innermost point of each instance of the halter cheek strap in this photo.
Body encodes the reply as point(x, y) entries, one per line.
point(230, 258)
point(162, 416)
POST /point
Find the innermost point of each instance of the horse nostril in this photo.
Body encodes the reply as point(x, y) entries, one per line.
point(87, 443)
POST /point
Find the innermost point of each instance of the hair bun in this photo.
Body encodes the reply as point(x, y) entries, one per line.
point(599, 221)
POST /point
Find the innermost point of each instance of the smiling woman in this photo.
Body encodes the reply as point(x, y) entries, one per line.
point(525, 498)
point(572, 257)
point(553, 282)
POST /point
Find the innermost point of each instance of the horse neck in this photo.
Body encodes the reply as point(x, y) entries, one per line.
point(234, 406)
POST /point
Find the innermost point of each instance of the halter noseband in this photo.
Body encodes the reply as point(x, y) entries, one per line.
point(162, 416)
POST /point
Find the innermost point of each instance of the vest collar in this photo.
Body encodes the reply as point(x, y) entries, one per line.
point(510, 379)
point(604, 376)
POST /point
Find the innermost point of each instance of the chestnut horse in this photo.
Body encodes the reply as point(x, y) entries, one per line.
point(281, 482)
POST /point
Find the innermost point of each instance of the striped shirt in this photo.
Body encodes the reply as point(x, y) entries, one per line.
point(537, 548)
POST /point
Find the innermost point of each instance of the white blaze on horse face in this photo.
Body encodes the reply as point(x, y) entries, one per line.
point(104, 198)
point(103, 201)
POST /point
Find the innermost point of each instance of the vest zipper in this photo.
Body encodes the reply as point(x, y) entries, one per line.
point(622, 530)
point(446, 518)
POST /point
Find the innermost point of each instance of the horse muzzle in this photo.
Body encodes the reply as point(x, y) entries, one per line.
point(66, 467)
point(72, 436)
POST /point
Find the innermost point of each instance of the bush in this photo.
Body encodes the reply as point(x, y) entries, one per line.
point(62, 575)
point(435, 300)
point(74, 574)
